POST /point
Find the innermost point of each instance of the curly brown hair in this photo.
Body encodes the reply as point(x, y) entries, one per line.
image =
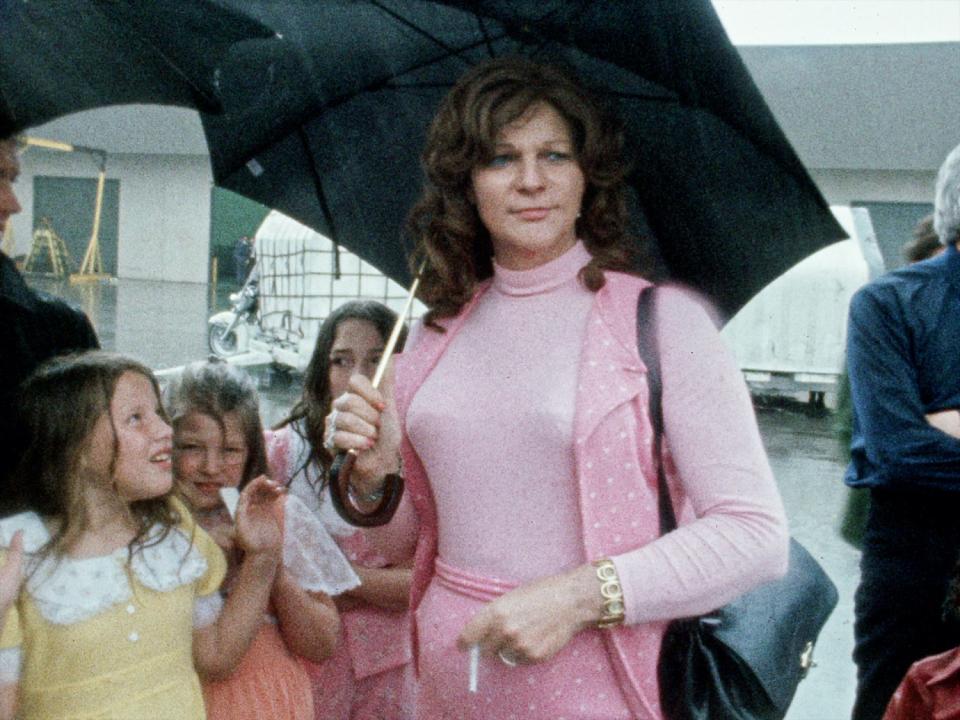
point(444, 223)
point(925, 243)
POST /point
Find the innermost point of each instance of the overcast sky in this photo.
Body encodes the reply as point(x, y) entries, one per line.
point(831, 22)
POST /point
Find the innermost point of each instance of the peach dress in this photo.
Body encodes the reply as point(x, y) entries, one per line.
point(272, 683)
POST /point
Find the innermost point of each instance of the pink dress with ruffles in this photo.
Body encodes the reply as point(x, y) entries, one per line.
point(369, 676)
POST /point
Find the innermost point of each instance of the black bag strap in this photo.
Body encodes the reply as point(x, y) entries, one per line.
point(648, 347)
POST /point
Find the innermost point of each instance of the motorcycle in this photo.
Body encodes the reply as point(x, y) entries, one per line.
point(229, 331)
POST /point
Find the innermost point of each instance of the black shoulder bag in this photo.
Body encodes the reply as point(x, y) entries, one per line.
point(745, 660)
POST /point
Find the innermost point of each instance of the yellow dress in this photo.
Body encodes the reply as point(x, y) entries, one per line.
point(107, 638)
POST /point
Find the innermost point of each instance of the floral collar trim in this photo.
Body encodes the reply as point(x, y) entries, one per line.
point(70, 590)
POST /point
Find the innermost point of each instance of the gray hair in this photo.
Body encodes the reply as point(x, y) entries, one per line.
point(946, 208)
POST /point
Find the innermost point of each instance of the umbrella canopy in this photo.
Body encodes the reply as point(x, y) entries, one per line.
point(62, 56)
point(326, 122)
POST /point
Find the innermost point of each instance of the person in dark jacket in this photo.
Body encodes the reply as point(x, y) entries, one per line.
point(34, 326)
point(904, 364)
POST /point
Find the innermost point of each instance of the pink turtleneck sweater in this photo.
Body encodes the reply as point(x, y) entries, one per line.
point(493, 425)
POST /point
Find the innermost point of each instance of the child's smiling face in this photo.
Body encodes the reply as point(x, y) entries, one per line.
point(135, 439)
point(208, 456)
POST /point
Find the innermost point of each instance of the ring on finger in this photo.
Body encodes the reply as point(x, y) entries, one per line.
point(507, 657)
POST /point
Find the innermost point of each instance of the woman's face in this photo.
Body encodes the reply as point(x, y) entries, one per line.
point(528, 196)
point(207, 457)
point(357, 348)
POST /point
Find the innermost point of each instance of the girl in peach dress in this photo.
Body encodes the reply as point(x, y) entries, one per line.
point(218, 444)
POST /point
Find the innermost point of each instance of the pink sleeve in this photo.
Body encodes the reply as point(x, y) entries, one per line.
point(739, 538)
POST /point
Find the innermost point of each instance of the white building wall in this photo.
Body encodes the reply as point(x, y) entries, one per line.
point(164, 214)
point(841, 187)
point(165, 218)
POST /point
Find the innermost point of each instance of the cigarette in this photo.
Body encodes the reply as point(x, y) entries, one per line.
point(474, 668)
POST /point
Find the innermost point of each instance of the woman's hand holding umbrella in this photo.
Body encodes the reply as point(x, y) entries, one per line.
point(364, 421)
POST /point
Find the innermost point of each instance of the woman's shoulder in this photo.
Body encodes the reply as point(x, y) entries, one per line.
point(620, 292)
point(420, 333)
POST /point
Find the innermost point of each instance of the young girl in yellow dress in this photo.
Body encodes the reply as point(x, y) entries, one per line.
point(119, 610)
point(218, 443)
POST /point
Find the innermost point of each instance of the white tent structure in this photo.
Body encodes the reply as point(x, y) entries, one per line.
point(791, 337)
point(302, 277)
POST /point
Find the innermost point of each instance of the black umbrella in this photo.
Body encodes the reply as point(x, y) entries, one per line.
point(325, 123)
point(62, 56)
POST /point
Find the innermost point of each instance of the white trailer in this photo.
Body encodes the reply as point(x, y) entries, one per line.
point(791, 337)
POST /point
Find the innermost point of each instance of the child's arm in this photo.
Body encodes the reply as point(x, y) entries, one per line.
point(218, 648)
point(382, 587)
point(309, 622)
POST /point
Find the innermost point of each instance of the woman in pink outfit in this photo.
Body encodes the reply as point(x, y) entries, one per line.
point(520, 410)
point(370, 675)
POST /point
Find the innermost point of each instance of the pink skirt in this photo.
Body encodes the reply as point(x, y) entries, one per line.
point(579, 683)
point(339, 695)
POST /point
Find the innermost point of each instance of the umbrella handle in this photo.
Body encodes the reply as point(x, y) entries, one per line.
point(339, 480)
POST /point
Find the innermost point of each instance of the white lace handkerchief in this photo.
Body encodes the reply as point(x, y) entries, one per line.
point(311, 555)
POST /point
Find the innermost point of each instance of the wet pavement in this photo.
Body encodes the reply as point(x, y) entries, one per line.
point(165, 325)
point(808, 463)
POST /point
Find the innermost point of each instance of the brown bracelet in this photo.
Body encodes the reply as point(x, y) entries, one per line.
point(612, 593)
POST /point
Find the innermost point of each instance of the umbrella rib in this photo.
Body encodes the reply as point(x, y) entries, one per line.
point(386, 82)
point(212, 101)
point(318, 184)
point(487, 40)
point(568, 21)
point(416, 28)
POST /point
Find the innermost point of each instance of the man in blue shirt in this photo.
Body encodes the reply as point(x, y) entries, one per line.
point(903, 355)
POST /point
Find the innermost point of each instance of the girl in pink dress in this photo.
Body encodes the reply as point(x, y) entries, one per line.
point(370, 675)
point(541, 586)
point(218, 443)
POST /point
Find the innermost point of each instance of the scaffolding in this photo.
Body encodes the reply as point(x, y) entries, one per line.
point(91, 268)
point(49, 246)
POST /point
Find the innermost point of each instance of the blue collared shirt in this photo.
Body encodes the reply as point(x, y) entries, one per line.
point(903, 356)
